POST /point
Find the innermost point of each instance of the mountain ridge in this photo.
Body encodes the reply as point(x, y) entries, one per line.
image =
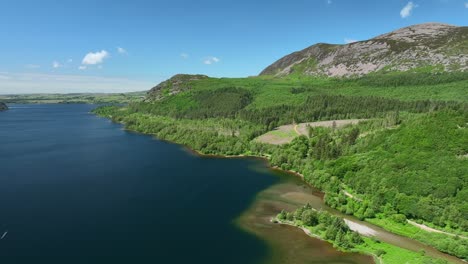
point(431, 46)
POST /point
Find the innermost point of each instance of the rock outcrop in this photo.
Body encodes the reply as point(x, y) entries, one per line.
point(431, 46)
point(176, 84)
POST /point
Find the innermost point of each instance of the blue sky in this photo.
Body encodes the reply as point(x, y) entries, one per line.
point(114, 46)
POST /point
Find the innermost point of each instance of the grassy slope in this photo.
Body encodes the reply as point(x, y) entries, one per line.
point(278, 91)
point(429, 238)
point(394, 254)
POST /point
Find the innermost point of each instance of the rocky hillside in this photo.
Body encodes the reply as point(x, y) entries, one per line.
point(176, 84)
point(3, 107)
point(432, 46)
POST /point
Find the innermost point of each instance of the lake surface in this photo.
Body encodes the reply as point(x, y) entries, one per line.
point(75, 188)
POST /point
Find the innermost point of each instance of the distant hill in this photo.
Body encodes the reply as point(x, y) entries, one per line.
point(74, 98)
point(176, 84)
point(3, 107)
point(430, 47)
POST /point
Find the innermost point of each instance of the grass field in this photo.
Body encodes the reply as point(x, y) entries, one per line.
point(389, 254)
point(285, 134)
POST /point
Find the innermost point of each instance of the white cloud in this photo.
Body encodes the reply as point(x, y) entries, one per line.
point(81, 67)
point(407, 9)
point(70, 60)
point(94, 58)
point(347, 40)
point(32, 66)
point(121, 50)
point(211, 60)
point(56, 65)
point(184, 55)
point(21, 83)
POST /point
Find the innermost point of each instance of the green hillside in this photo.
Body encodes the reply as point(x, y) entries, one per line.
point(408, 161)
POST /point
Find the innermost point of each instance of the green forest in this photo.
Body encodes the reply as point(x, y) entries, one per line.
point(331, 227)
point(408, 159)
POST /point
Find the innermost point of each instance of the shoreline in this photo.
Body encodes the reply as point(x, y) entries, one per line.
point(265, 159)
point(377, 259)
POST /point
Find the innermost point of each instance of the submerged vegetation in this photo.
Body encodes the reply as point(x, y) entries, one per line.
point(406, 161)
point(334, 230)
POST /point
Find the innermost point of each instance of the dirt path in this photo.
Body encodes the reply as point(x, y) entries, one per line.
point(295, 129)
point(290, 195)
point(420, 226)
point(352, 196)
point(433, 230)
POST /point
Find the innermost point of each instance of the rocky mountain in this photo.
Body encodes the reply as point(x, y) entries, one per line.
point(176, 84)
point(3, 107)
point(431, 46)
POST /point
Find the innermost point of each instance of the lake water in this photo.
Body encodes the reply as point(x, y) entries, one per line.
point(75, 188)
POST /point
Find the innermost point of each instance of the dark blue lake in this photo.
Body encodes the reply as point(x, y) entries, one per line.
point(75, 188)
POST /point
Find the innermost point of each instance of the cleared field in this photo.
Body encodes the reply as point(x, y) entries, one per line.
point(285, 134)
